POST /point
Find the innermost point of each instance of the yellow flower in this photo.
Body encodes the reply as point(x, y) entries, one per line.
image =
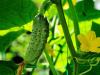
point(50, 50)
point(89, 42)
point(66, 6)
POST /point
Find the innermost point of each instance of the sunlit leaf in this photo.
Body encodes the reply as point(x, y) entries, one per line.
point(16, 13)
point(49, 13)
point(85, 12)
point(7, 39)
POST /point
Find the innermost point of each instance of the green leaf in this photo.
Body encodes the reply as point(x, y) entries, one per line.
point(7, 68)
point(69, 70)
point(88, 5)
point(85, 11)
point(16, 13)
point(6, 40)
point(95, 70)
point(49, 13)
point(96, 28)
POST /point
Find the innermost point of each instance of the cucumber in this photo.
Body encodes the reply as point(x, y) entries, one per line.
point(40, 33)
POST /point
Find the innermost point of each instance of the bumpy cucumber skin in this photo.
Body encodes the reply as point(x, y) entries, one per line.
point(40, 32)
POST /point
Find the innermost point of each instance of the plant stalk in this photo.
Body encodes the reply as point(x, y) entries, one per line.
point(54, 72)
point(65, 28)
point(75, 21)
point(66, 32)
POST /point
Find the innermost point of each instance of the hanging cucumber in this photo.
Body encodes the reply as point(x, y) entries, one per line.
point(38, 40)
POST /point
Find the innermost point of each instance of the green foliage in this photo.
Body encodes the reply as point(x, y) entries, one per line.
point(16, 13)
point(85, 10)
point(90, 5)
point(7, 39)
point(8, 68)
point(96, 27)
point(90, 70)
point(49, 14)
point(81, 16)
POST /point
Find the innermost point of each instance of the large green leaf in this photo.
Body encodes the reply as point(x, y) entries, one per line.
point(16, 12)
point(85, 10)
point(6, 40)
point(7, 68)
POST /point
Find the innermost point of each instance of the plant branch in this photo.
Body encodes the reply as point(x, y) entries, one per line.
point(66, 32)
point(54, 72)
point(75, 21)
point(20, 68)
point(65, 27)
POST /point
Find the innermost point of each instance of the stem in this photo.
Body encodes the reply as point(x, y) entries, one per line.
point(66, 32)
point(50, 63)
point(75, 69)
point(45, 6)
point(33, 68)
point(59, 53)
point(65, 28)
point(75, 21)
point(53, 31)
point(69, 69)
point(53, 28)
point(57, 57)
point(20, 68)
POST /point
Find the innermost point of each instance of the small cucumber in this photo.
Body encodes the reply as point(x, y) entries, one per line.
point(40, 32)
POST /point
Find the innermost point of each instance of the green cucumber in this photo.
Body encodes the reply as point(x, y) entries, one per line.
point(40, 32)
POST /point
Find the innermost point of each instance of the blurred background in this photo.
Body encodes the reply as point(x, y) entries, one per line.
point(14, 38)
